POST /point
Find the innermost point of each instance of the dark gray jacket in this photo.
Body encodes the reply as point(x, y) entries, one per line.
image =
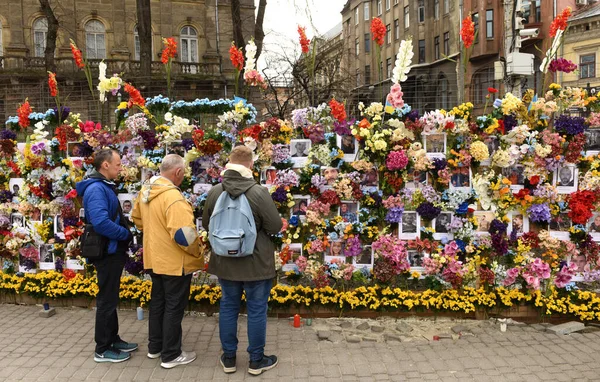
point(261, 264)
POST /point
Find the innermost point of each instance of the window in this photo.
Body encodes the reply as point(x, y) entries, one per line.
point(489, 23)
point(436, 9)
point(421, 51)
point(95, 46)
point(356, 16)
point(367, 42)
point(447, 43)
point(587, 66)
point(406, 18)
point(366, 11)
point(367, 74)
point(388, 34)
point(538, 11)
point(482, 80)
point(395, 2)
point(388, 4)
point(357, 77)
point(379, 10)
point(40, 30)
point(436, 51)
point(421, 11)
point(446, 6)
point(136, 43)
point(475, 18)
point(443, 93)
point(396, 29)
point(189, 44)
point(356, 47)
point(526, 12)
point(388, 67)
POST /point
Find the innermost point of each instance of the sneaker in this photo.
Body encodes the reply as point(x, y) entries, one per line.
point(266, 363)
point(112, 355)
point(183, 359)
point(228, 364)
point(127, 347)
point(153, 355)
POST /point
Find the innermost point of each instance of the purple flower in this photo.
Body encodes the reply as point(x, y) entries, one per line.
point(343, 128)
point(566, 124)
point(8, 134)
point(149, 137)
point(394, 215)
point(539, 212)
point(353, 247)
point(64, 112)
point(280, 195)
point(188, 143)
point(500, 244)
point(134, 267)
point(5, 197)
point(413, 115)
point(440, 163)
point(497, 227)
point(428, 211)
point(510, 122)
point(59, 264)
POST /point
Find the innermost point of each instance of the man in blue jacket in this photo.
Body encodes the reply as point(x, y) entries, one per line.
point(102, 210)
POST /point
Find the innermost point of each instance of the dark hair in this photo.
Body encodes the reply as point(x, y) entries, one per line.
point(104, 155)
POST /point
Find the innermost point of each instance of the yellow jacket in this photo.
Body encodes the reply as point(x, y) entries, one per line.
point(167, 222)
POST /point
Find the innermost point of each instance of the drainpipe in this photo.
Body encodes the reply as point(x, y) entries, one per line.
point(218, 45)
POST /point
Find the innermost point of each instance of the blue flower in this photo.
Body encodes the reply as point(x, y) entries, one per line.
point(463, 208)
point(294, 220)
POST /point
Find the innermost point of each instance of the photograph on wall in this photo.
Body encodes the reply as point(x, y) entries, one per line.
point(415, 258)
point(440, 225)
point(199, 224)
point(365, 259)
point(349, 211)
point(460, 178)
point(516, 176)
point(349, 146)
point(492, 144)
point(36, 215)
point(484, 219)
point(59, 227)
point(518, 222)
point(299, 150)
point(335, 252)
point(147, 174)
point(370, 179)
point(176, 147)
point(410, 226)
point(47, 256)
point(126, 201)
point(330, 174)
point(268, 176)
point(75, 150)
point(593, 226)
point(301, 203)
point(17, 219)
point(559, 225)
point(127, 149)
point(416, 179)
point(15, 186)
point(435, 145)
point(592, 142)
point(565, 179)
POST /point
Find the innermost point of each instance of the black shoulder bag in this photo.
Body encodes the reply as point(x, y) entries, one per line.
point(94, 245)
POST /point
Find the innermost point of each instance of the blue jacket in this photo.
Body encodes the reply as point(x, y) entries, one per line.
point(101, 204)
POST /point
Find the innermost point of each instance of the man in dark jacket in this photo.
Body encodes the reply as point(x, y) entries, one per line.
point(253, 274)
point(102, 210)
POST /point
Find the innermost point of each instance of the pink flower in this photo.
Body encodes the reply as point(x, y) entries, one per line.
point(396, 160)
point(395, 96)
point(89, 126)
point(564, 276)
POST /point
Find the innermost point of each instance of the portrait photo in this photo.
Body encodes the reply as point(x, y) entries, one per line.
point(16, 219)
point(296, 249)
point(36, 215)
point(516, 176)
point(299, 150)
point(330, 174)
point(593, 226)
point(147, 174)
point(335, 252)
point(460, 178)
point(201, 188)
point(268, 176)
point(15, 186)
point(46, 253)
point(409, 227)
point(484, 218)
point(435, 145)
point(349, 146)
point(492, 144)
point(565, 179)
point(126, 201)
point(415, 258)
point(440, 225)
point(416, 179)
point(581, 262)
point(126, 149)
point(349, 212)
point(592, 141)
point(301, 203)
point(559, 225)
point(59, 227)
point(75, 150)
point(176, 147)
point(365, 259)
point(518, 222)
point(370, 178)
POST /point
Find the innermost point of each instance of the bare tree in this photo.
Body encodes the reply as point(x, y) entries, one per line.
point(50, 36)
point(144, 25)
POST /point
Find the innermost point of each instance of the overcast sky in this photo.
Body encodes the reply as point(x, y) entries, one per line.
point(282, 18)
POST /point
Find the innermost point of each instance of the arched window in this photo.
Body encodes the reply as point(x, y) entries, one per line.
point(95, 37)
point(189, 44)
point(136, 43)
point(482, 80)
point(40, 31)
point(443, 90)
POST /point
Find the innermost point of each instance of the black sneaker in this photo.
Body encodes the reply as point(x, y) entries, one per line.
point(266, 363)
point(228, 364)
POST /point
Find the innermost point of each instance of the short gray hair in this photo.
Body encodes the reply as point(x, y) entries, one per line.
point(170, 162)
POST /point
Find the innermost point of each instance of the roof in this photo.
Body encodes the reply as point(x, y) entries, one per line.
point(333, 32)
point(588, 11)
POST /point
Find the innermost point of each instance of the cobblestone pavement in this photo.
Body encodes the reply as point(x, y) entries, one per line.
point(60, 348)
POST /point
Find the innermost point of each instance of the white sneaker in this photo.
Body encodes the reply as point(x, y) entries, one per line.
point(153, 356)
point(183, 359)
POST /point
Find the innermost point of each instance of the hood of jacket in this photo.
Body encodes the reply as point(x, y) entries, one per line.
point(235, 184)
point(155, 187)
point(92, 178)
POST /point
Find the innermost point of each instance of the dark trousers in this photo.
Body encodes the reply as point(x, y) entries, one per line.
point(109, 270)
point(170, 296)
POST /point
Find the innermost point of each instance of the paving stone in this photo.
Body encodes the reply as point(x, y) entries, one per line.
point(567, 327)
point(363, 326)
point(460, 329)
point(404, 328)
point(345, 324)
point(323, 334)
point(353, 339)
point(377, 329)
point(392, 337)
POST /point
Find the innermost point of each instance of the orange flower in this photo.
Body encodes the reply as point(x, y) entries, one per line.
point(169, 51)
point(23, 112)
point(236, 56)
point(337, 110)
point(304, 41)
point(560, 22)
point(135, 97)
point(378, 30)
point(364, 124)
point(52, 84)
point(77, 56)
point(467, 33)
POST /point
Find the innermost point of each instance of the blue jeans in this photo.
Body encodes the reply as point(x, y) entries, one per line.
point(257, 297)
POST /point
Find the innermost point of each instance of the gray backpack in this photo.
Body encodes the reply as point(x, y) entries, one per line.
point(232, 230)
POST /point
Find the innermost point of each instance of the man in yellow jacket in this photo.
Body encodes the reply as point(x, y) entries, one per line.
point(171, 254)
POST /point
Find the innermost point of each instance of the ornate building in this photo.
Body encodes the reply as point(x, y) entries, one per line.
point(107, 30)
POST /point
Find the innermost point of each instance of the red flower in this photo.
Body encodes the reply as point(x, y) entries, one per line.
point(77, 56)
point(72, 194)
point(449, 125)
point(337, 110)
point(493, 90)
point(236, 56)
point(69, 274)
point(304, 41)
point(23, 112)
point(534, 180)
point(581, 204)
point(135, 97)
point(89, 126)
point(467, 33)
point(169, 51)
point(329, 197)
point(501, 127)
point(378, 30)
point(560, 22)
point(52, 84)
point(522, 194)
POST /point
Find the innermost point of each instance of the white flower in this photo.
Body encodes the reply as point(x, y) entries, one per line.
point(552, 51)
point(168, 117)
point(101, 71)
point(250, 57)
point(403, 61)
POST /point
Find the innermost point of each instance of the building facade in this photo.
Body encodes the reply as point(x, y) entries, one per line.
point(433, 27)
point(107, 30)
point(582, 46)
